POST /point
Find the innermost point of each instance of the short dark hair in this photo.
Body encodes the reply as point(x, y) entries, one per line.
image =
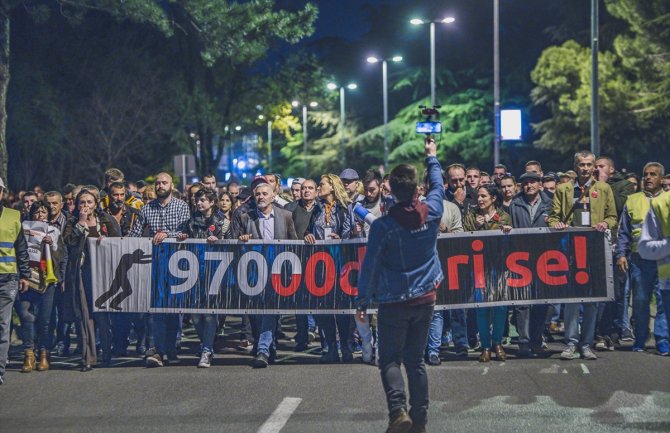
point(209, 175)
point(371, 175)
point(113, 174)
point(500, 166)
point(208, 193)
point(29, 193)
point(37, 206)
point(403, 182)
point(507, 176)
point(68, 188)
point(116, 185)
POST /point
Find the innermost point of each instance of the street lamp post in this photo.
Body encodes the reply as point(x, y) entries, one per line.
point(496, 82)
point(304, 132)
point(395, 59)
point(340, 151)
point(417, 22)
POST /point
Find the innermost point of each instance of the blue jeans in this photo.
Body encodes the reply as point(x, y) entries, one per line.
point(205, 327)
point(435, 333)
point(573, 337)
point(265, 327)
point(644, 282)
point(625, 322)
point(459, 327)
point(304, 324)
point(34, 310)
point(496, 316)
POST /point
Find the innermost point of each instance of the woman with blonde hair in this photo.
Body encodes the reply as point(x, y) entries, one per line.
point(331, 220)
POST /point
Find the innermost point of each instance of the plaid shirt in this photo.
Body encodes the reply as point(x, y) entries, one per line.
point(171, 218)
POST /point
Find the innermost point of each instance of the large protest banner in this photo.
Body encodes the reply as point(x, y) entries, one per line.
point(528, 266)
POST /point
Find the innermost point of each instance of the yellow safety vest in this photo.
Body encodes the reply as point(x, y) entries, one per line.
point(10, 228)
point(638, 205)
point(661, 206)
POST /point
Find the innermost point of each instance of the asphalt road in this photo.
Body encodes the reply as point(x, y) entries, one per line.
point(620, 392)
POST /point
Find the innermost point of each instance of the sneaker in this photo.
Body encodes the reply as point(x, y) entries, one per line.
point(205, 360)
point(433, 359)
point(60, 348)
point(357, 349)
point(570, 353)
point(663, 349)
point(627, 335)
point(601, 344)
point(588, 354)
point(638, 349)
point(154, 360)
point(311, 336)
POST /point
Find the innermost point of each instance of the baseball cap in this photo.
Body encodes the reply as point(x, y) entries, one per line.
point(550, 176)
point(531, 176)
point(349, 174)
point(244, 194)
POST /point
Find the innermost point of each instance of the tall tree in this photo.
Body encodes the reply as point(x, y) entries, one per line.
point(237, 31)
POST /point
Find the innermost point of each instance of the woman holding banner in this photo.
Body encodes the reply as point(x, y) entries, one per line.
point(88, 222)
point(330, 220)
point(34, 306)
point(488, 216)
point(206, 223)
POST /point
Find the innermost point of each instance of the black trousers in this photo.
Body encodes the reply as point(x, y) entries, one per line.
point(403, 333)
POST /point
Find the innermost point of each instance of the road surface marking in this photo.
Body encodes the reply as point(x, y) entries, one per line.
point(585, 369)
point(280, 416)
point(486, 370)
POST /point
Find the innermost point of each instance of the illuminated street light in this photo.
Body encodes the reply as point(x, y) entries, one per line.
point(416, 22)
point(340, 125)
point(395, 59)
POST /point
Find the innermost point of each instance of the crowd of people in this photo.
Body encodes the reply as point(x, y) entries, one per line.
point(56, 311)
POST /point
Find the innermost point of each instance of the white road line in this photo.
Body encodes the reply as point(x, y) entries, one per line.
point(486, 370)
point(280, 416)
point(585, 369)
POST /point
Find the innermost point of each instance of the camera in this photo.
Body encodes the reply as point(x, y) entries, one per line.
point(430, 125)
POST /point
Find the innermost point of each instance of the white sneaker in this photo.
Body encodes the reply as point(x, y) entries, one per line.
point(588, 354)
point(205, 360)
point(570, 353)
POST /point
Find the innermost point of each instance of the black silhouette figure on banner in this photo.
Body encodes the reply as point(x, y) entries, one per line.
point(121, 281)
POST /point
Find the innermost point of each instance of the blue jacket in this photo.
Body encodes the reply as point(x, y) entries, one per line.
point(402, 264)
point(519, 210)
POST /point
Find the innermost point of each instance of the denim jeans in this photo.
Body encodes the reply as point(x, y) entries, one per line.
point(625, 322)
point(34, 310)
point(458, 322)
point(573, 336)
point(403, 333)
point(266, 325)
point(487, 318)
point(205, 327)
point(165, 330)
point(334, 324)
point(8, 292)
point(435, 333)
point(644, 283)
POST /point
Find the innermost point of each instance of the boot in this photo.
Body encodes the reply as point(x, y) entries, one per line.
point(28, 361)
point(44, 360)
point(500, 353)
point(399, 422)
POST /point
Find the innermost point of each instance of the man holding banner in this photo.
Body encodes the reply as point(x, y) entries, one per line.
point(164, 217)
point(267, 222)
point(404, 286)
point(584, 203)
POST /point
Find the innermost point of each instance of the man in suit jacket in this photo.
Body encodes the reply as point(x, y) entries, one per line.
point(586, 202)
point(266, 222)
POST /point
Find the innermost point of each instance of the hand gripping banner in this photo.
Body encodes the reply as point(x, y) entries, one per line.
point(528, 266)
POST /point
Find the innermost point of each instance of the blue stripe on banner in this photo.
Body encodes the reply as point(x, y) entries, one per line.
point(6, 244)
point(7, 259)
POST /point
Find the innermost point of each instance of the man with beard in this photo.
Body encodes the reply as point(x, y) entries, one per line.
point(165, 217)
point(458, 191)
point(374, 201)
point(499, 171)
point(114, 175)
point(267, 222)
point(117, 207)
